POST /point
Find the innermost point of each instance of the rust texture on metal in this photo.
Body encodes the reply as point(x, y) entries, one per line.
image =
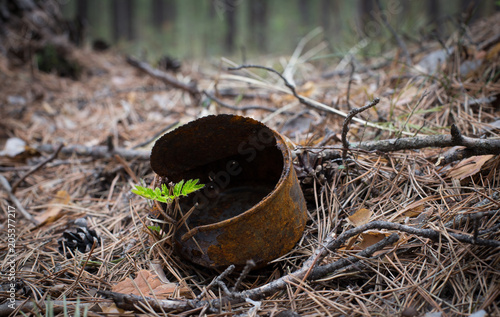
point(251, 207)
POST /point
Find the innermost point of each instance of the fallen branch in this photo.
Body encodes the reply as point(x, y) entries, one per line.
point(96, 151)
point(130, 302)
point(315, 273)
point(165, 77)
point(473, 146)
point(308, 271)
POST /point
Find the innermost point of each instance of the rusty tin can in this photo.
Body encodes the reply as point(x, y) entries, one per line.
point(251, 207)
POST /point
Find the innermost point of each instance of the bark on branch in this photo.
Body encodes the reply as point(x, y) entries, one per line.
point(472, 146)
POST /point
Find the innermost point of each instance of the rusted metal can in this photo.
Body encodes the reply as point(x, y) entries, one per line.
point(252, 206)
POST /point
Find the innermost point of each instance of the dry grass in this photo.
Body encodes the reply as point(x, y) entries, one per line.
point(453, 278)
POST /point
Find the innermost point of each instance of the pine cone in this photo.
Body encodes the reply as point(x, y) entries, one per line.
point(82, 239)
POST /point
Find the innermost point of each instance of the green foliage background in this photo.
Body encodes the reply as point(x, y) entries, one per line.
point(198, 29)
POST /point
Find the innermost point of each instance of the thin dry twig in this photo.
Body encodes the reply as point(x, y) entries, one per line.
point(287, 84)
point(37, 167)
point(248, 267)
point(347, 121)
point(5, 184)
point(217, 280)
point(96, 151)
point(165, 77)
point(349, 83)
point(314, 104)
point(320, 271)
point(244, 108)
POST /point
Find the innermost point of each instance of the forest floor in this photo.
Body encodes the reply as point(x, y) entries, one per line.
point(445, 210)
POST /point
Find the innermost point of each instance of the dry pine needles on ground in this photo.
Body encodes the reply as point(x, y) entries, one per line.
point(388, 232)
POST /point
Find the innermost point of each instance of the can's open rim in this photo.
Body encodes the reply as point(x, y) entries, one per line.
point(168, 162)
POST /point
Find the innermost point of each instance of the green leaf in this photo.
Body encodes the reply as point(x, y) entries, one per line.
point(191, 186)
point(144, 192)
point(164, 189)
point(158, 192)
point(178, 189)
point(163, 195)
point(154, 228)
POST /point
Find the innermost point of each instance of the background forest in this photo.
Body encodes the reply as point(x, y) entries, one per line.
point(191, 28)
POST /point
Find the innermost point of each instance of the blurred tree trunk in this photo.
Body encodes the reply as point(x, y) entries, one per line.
point(257, 23)
point(163, 12)
point(365, 8)
point(212, 9)
point(171, 9)
point(123, 19)
point(326, 14)
point(82, 11)
point(470, 9)
point(78, 27)
point(158, 14)
point(434, 12)
point(305, 12)
point(230, 13)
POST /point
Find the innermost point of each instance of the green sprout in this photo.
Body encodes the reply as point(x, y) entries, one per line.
point(164, 194)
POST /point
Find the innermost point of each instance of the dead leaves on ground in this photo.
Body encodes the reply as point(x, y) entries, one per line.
point(367, 238)
point(55, 209)
point(149, 284)
point(360, 217)
point(469, 167)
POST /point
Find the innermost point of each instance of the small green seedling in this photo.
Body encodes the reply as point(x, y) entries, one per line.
point(164, 194)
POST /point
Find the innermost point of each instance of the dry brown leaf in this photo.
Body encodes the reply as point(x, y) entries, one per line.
point(55, 210)
point(360, 217)
point(147, 281)
point(350, 243)
point(369, 238)
point(468, 167)
point(493, 52)
point(413, 212)
point(113, 309)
